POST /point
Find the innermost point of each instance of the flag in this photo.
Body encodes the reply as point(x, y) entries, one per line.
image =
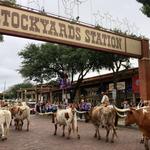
point(135, 84)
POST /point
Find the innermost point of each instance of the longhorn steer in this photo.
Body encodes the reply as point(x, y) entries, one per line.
point(105, 117)
point(5, 119)
point(66, 117)
point(141, 117)
point(21, 113)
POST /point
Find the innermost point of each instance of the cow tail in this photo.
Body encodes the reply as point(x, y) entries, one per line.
point(116, 120)
point(73, 125)
point(7, 120)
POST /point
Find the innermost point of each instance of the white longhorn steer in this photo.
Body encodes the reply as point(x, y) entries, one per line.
point(66, 117)
point(5, 119)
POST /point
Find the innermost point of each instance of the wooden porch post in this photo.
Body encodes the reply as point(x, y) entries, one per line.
point(144, 71)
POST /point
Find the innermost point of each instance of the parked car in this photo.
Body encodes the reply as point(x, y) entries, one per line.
point(32, 106)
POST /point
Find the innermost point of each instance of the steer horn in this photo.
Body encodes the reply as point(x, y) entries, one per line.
point(81, 112)
point(121, 110)
point(122, 116)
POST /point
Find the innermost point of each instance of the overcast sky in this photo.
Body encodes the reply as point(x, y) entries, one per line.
point(124, 14)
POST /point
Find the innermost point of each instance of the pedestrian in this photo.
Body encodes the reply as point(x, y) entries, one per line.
point(37, 107)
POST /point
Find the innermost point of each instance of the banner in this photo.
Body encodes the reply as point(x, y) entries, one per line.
point(135, 84)
point(114, 94)
point(111, 86)
point(120, 85)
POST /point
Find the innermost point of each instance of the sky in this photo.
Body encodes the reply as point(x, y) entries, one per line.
point(121, 14)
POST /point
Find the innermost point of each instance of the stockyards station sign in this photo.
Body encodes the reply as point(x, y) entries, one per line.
point(24, 23)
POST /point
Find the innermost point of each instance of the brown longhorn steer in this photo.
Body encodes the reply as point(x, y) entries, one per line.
point(141, 117)
point(21, 113)
point(105, 117)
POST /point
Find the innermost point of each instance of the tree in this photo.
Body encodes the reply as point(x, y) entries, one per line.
point(31, 68)
point(146, 7)
point(9, 2)
point(44, 62)
point(47, 61)
point(12, 91)
point(115, 63)
point(1, 38)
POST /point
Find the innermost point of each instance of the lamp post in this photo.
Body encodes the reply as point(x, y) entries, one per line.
point(4, 90)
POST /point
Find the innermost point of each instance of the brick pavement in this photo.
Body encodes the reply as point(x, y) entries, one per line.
point(40, 137)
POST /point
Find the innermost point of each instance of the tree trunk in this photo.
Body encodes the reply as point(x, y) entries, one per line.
point(76, 93)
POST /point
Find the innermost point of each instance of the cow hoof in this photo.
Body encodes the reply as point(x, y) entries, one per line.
point(146, 148)
point(78, 136)
point(4, 138)
point(116, 128)
point(142, 141)
point(112, 141)
point(54, 133)
point(63, 135)
point(95, 135)
point(68, 138)
point(99, 138)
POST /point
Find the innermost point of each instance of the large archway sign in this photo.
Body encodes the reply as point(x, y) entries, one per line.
point(24, 23)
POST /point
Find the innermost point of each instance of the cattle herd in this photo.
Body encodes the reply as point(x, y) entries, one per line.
point(100, 116)
point(17, 112)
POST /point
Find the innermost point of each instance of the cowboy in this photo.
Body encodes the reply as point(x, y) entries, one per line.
point(105, 99)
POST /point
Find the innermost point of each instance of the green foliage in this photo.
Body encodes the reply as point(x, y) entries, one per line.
point(146, 10)
point(9, 3)
point(146, 7)
point(144, 2)
point(12, 1)
point(52, 61)
point(99, 27)
point(12, 91)
point(1, 38)
point(32, 67)
point(54, 83)
point(112, 62)
point(48, 61)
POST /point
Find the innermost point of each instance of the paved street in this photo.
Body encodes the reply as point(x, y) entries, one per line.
point(40, 137)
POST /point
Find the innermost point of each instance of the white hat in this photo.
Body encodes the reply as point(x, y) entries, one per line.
point(82, 100)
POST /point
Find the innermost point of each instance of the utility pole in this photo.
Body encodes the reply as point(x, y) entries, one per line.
point(4, 90)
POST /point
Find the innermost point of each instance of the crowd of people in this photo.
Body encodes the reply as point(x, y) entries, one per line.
point(82, 105)
point(46, 106)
